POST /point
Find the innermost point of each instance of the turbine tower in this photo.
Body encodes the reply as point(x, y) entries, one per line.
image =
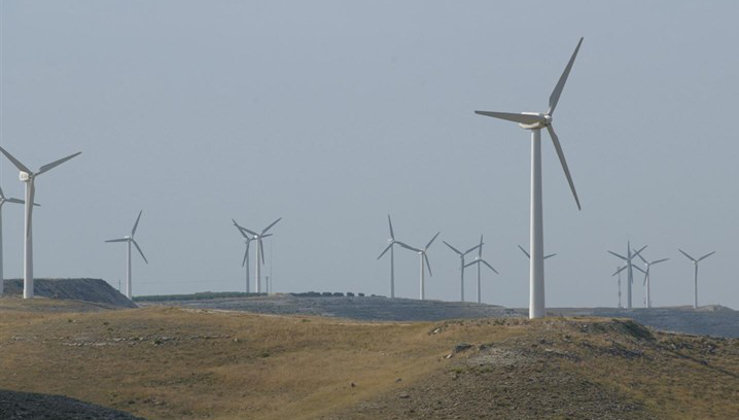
point(461, 264)
point(695, 264)
point(391, 247)
point(535, 121)
point(423, 258)
point(259, 249)
point(3, 200)
point(130, 240)
point(479, 261)
point(245, 261)
point(29, 178)
point(629, 269)
point(648, 278)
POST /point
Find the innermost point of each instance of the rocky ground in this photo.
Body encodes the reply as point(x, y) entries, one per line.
point(27, 405)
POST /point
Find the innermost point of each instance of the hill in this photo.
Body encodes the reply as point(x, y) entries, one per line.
point(88, 290)
point(170, 362)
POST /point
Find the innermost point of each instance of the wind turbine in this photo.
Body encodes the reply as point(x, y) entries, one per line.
point(260, 249)
point(695, 263)
point(529, 256)
point(535, 121)
point(391, 247)
point(3, 200)
point(29, 177)
point(130, 240)
point(245, 261)
point(630, 269)
point(479, 260)
point(423, 258)
point(618, 271)
point(648, 278)
point(461, 264)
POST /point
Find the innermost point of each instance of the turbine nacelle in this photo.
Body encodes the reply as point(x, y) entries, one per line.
point(546, 120)
point(25, 176)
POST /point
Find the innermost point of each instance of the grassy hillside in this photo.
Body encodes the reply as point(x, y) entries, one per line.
point(164, 362)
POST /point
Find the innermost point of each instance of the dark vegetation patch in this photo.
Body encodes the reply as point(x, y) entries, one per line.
point(89, 290)
point(27, 405)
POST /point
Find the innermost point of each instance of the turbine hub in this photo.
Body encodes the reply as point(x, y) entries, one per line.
point(24, 176)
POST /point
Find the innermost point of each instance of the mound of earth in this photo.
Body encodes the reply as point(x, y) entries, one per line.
point(26, 405)
point(89, 290)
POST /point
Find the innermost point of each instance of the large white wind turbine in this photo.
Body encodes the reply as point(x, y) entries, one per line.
point(423, 258)
point(3, 200)
point(390, 247)
point(260, 249)
point(695, 264)
point(245, 261)
point(29, 177)
point(130, 240)
point(648, 278)
point(535, 121)
point(629, 269)
point(479, 261)
point(462, 264)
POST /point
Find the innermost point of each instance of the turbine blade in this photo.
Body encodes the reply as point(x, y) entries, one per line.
point(270, 226)
point(135, 225)
point(641, 258)
point(472, 249)
point(140, 251)
point(261, 249)
point(619, 270)
point(524, 251)
point(2, 195)
point(431, 241)
point(453, 248)
point(686, 254)
point(18, 201)
point(515, 117)
point(659, 261)
point(56, 163)
point(476, 261)
point(489, 266)
point(428, 265)
point(390, 223)
point(646, 275)
point(619, 256)
point(251, 232)
point(246, 255)
point(16, 162)
point(267, 235)
point(554, 97)
point(636, 267)
point(387, 248)
point(636, 253)
point(479, 249)
point(706, 256)
point(561, 155)
point(117, 240)
point(548, 256)
point(241, 230)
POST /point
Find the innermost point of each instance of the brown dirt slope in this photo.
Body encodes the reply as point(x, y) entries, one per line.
point(166, 362)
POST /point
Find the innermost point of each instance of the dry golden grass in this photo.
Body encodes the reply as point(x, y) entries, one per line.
point(164, 362)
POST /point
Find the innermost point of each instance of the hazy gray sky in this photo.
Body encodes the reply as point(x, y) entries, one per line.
point(332, 114)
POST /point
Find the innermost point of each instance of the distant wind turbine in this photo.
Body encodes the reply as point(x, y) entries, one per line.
point(528, 256)
point(130, 240)
point(461, 264)
point(648, 278)
point(29, 178)
point(260, 249)
point(247, 241)
point(695, 264)
point(3, 200)
point(422, 253)
point(390, 247)
point(535, 121)
point(479, 261)
point(619, 269)
point(629, 269)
